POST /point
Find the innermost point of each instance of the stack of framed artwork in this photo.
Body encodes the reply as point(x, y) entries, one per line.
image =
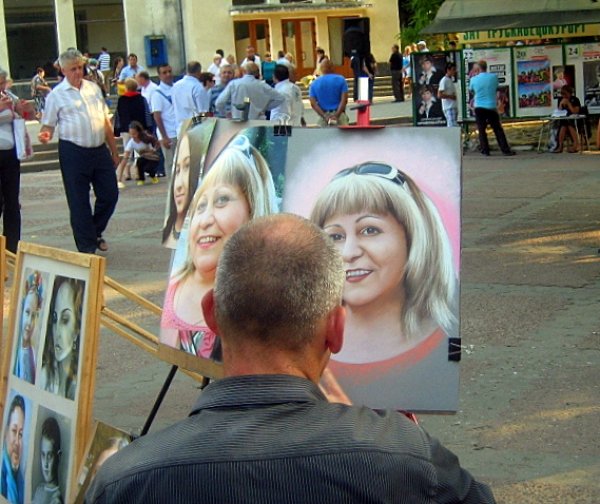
point(48, 371)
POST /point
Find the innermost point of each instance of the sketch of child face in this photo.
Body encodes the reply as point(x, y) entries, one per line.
point(29, 317)
point(49, 459)
point(64, 322)
point(374, 249)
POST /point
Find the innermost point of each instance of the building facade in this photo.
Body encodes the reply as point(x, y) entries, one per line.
point(34, 32)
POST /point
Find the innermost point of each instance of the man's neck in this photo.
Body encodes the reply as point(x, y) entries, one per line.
point(257, 360)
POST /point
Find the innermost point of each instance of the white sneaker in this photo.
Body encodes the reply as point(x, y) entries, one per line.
point(121, 185)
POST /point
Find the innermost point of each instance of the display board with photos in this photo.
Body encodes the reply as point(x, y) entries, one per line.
point(585, 60)
point(428, 69)
point(404, 360)
point(48, 372)
point(499, 62)
point(533, 67)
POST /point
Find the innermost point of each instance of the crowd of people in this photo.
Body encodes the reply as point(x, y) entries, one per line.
point(148, 117)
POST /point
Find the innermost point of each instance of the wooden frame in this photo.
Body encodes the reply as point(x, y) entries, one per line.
point(50, 362)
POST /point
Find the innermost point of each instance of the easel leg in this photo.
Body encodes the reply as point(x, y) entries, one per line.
point(159, 400)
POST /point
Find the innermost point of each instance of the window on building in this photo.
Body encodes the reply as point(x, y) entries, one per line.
point(100, 24)
point(31, 37)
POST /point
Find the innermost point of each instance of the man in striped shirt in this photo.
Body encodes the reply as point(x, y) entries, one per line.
point(266, 433)
point(104, 60)
point(76, 106)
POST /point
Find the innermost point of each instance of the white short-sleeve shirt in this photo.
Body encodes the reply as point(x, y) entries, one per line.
point(80, 114)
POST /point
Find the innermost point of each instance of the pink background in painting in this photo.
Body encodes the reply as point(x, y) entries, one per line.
point(430, 156)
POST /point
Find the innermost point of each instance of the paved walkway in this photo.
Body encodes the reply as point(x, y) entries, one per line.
point(530, 394)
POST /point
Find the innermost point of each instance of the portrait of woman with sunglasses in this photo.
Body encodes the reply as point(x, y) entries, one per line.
point(238, 187)
point(400, 288)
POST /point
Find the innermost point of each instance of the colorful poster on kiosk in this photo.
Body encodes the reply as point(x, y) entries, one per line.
point(390, 201)
point(533, 70)
point(498, 61)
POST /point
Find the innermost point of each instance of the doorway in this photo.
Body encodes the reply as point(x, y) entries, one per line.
point(299, 39)
point(251, 33)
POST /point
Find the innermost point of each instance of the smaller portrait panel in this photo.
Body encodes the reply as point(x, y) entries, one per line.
point(51, 458)
point(591, 85)
point(429, 69)
point(562, 75)
point(32, 301)
point(106, 441)
point(244, 181)
point(60, 360)
point(190, 156)
point(15, 442)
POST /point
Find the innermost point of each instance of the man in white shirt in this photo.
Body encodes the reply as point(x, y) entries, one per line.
point(77, 107)
point(291, 111)
point(188, 94)
point(251, 57)
point(214, 68)
point(164, 115)
point(249, 91)
point(147, 87)
point(447, 92)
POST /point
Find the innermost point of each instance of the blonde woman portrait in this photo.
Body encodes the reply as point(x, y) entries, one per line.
point(237, 188)
point(400, 282)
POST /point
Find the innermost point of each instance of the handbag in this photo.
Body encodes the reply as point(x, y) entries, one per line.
point(22, 141)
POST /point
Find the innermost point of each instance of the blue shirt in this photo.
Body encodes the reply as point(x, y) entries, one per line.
point(274, 439)
point(484, 86)
point(12, 485)
point(328, 90)
point(130, 72)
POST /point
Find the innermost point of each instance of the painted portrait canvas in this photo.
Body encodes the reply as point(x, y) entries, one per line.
point(390, 201)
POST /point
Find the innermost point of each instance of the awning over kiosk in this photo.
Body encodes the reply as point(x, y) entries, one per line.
point(568, 16)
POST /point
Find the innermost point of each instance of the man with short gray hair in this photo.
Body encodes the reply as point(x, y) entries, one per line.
point(226, 73)
point(77, 107)
point(266, 433)
point(249, 91)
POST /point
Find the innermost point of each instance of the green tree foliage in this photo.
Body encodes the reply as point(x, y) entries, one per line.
point(420, 13)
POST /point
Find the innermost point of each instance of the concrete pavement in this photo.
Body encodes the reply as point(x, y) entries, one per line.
point(530, 393)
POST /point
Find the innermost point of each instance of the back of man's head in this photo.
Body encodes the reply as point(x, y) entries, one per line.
point(194, 68)
point(482, 65)
point(277, 278)
point(326, 66)
point(251, 69)
point(281, 73)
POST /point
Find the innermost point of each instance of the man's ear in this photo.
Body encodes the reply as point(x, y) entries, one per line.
point(208, 309)
point(336, 321)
